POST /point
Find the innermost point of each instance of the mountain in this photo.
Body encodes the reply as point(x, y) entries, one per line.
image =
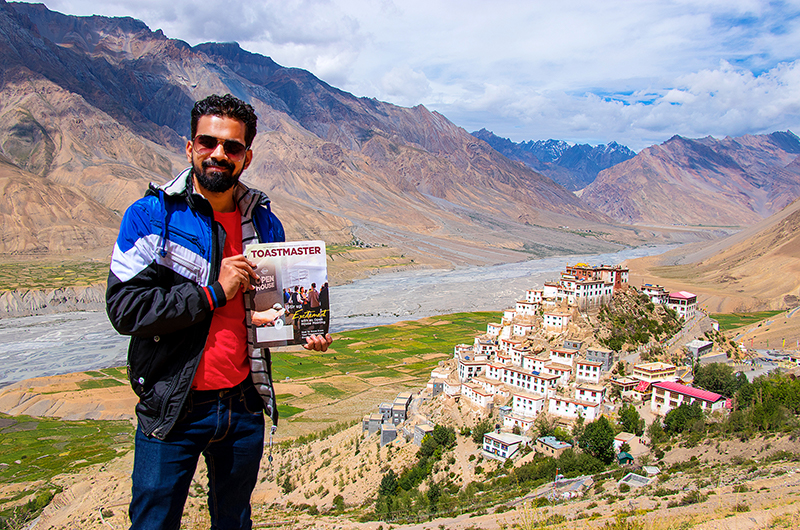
point(733, 181)
point(101, 106)
point(572, 166)
point(753, 270)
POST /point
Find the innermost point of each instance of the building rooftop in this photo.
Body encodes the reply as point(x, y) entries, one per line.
point(529, 395)
point(551, 441)
point(488, 380)
point(683, 295)
point(571, 351)
point(587, 361)
point(652, 367)
point(625, 437)
point(690, 391)
point(558, 366)
point(580, 402)
point(504, 437)
point(478, 389)
point(557, 313)
point(634, 480)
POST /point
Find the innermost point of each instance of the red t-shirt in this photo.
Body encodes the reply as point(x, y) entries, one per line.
point(224, 362)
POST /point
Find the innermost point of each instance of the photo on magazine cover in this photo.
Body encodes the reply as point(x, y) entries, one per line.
point(289, 301)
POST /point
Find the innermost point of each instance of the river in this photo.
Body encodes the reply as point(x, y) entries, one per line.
point(69, 342)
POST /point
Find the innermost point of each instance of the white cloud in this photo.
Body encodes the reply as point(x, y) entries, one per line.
point(632, 71)
point(405, 86)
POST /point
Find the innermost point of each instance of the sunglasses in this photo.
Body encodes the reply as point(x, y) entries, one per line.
point(204, 144)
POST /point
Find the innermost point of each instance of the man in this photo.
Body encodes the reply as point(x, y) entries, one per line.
point(313, 298)
point(323, 296)
point(176, 286)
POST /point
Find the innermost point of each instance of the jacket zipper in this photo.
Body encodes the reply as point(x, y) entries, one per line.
point(215, 273)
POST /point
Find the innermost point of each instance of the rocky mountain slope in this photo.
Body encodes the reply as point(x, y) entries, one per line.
point(572, 166)
point(733, 181)
point(731, 491)
point(101, 106)
point(755, 269)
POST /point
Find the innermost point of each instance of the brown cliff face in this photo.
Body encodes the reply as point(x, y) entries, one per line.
point(101, 106)
point(38, 216)
point(735, 181)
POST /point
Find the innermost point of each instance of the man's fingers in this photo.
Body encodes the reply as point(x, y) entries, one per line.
point(318, 342)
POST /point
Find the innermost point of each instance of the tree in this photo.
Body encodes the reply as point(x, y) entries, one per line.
point(483, 426)
point(434, 492)
point(388, 485)
point(719, 378)
point(681, 418)
point(338, 503)
point(578, 427)
point(428, 446)
point(656, 432)
point(630, 420)
point(545, 424)
point(598, 440)
point(444, 436)
point(619, 369)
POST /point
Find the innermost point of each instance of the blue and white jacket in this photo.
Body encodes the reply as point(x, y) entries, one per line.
point(163, 288)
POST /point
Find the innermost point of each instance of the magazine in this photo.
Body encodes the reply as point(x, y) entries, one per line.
point(289, 302)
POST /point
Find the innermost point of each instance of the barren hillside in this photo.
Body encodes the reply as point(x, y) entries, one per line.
point(755, 269)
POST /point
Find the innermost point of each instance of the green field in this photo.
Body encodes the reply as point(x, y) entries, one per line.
point(333, 249)
point(728, 321)
point(44, 275)
point(37, 449)
point(398, 351)
point(45, 447)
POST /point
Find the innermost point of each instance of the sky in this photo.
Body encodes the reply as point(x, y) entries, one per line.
point(636, 72)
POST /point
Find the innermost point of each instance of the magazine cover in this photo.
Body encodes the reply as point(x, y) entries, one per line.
point(289, 301)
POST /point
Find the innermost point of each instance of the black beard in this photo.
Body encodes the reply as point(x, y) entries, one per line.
point(216, 181)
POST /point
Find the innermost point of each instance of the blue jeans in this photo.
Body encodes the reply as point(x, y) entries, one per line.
point(227, 428)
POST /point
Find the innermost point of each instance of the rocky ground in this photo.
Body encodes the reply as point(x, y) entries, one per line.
point(718, 484)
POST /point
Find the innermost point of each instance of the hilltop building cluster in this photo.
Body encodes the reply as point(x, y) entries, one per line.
point(504, 364)
point(515, 368)
point(512, 368)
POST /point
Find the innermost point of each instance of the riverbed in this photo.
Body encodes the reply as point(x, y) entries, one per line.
point(69, 342)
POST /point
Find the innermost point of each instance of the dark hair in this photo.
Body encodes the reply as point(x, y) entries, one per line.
point(227, 106)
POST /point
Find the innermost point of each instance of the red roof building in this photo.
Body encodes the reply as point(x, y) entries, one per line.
point(668, 395)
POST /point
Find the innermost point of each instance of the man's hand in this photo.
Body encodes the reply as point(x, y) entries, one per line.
point(318, 342)
point(235, 274)
point(268, 317)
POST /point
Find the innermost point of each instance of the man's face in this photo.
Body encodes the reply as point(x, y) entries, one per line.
point(216, 168)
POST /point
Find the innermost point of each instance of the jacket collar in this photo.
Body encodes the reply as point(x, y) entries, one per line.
point(182, 185)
